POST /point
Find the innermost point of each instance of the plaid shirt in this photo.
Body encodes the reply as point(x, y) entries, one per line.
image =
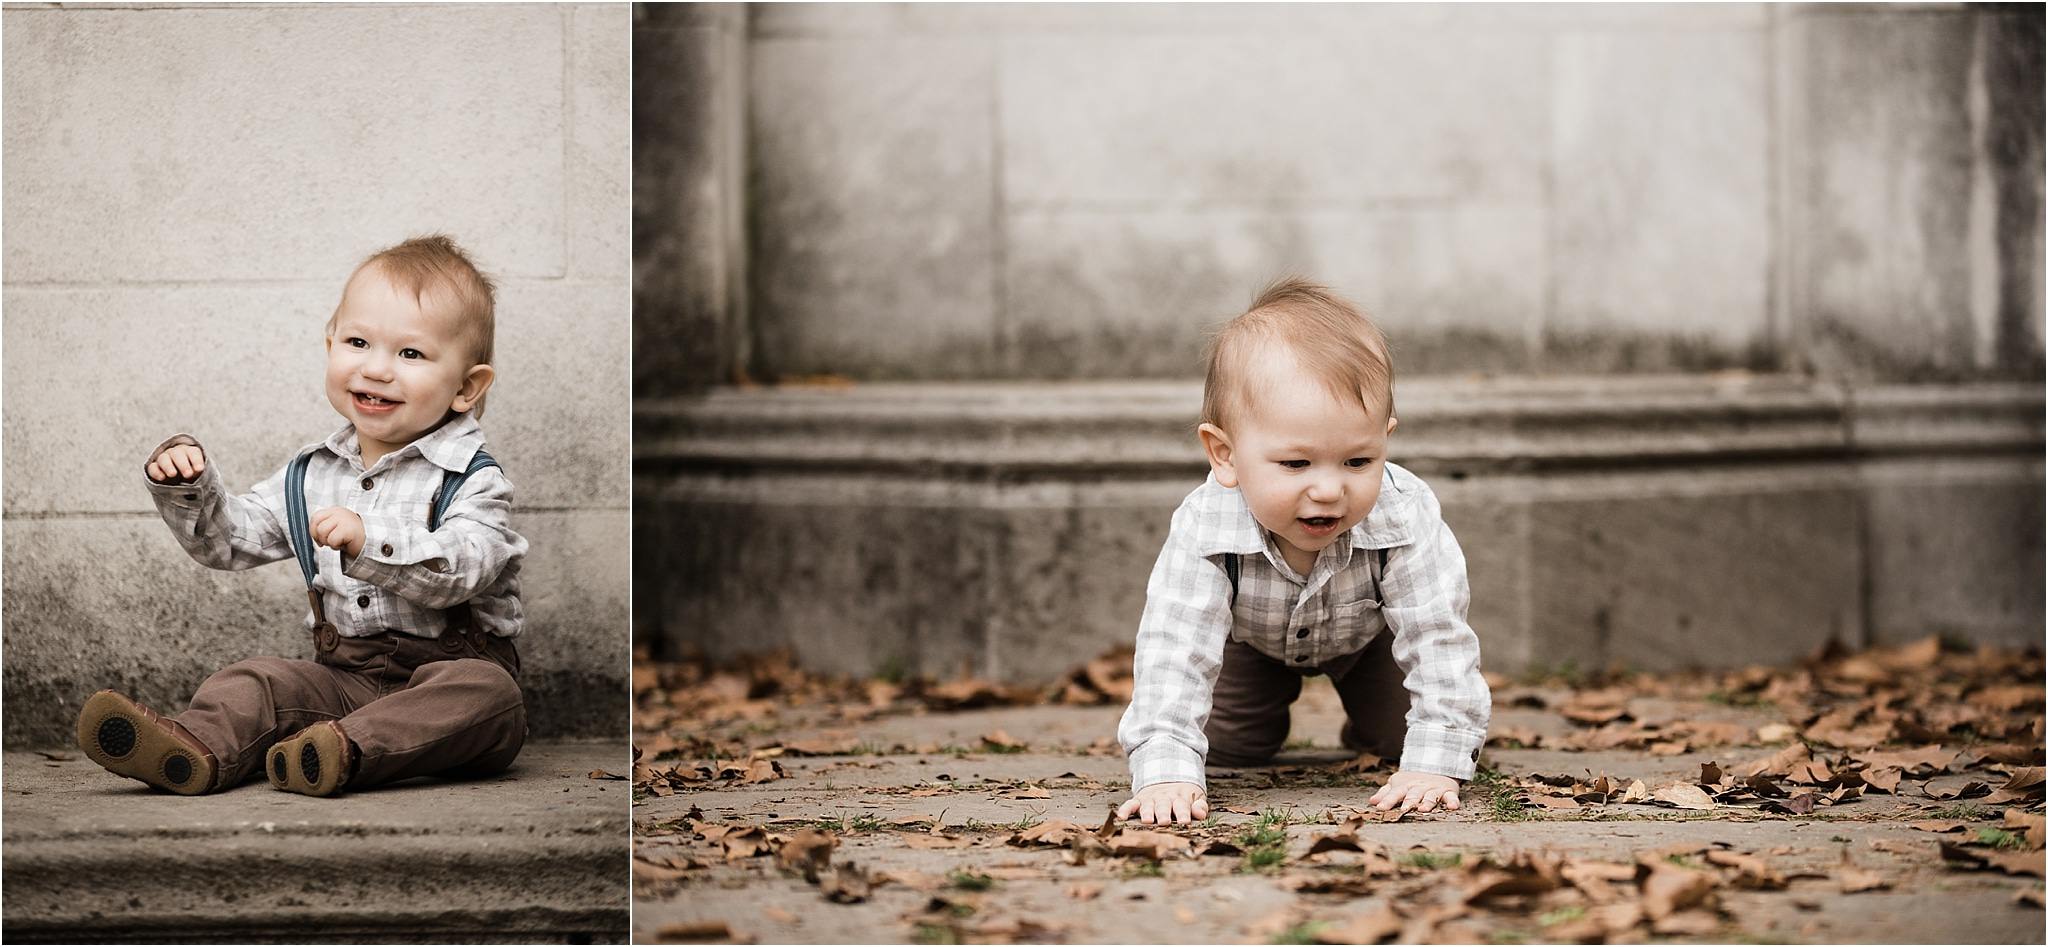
point(406, 575)
point(1421, 599)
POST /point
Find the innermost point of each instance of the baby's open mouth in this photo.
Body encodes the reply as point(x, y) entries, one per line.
point(372, 401)
point(1319, 522)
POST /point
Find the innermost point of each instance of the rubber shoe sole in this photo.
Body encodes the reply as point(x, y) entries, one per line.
point(313, 762)
point(130, 740)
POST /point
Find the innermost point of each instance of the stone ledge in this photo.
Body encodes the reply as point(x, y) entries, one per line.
point(1035, 430)
point(537, 854)
point(1007, 529)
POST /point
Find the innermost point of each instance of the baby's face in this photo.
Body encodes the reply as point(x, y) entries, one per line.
point(394, 370)
point(1308, 463)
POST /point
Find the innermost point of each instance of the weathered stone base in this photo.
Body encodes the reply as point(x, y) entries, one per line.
point(1008, 530)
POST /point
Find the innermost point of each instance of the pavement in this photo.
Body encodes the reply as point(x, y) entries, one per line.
point(533, 855)
point(967, 883)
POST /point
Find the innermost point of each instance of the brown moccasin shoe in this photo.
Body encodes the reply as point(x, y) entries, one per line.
point(315, 761)
point(131, 740)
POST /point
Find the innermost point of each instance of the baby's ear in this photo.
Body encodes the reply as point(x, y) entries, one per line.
point(1392, 423)
point(474, 385)
point(1216, 444)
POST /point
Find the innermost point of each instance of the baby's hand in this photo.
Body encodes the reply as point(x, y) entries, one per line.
point(182, 463)
point(338, 528)
point(1420, 791)
point(1161, 803)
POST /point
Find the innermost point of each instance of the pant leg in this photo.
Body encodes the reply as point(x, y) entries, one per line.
point(1248, 716)
point(457, 715)
point(1375, 700)
point(245, 707)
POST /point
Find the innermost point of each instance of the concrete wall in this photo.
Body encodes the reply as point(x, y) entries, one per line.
point(187, 189)
point(998, 191)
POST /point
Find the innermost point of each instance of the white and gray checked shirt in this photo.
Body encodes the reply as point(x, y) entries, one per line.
point(406, 574)
point(1305, 622)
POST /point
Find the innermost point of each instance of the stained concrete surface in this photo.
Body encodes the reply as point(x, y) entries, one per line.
point(1211, 899)
point(535, 854)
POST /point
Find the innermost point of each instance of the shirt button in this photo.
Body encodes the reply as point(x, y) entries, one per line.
point(362, 601)
point(1301, 633)
point(1301, 659)
point(387, 549)
point(368, 483)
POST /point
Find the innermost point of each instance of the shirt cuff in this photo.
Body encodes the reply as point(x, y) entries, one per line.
point(388, 548)
point(188, 494)
point(1445, 752)
point(1164, 761)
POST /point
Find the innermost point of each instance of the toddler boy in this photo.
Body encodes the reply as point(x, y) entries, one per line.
point(412, 565)
point(1305, 552)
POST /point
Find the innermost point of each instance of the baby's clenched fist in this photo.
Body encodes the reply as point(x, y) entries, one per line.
point(182, 463)
point(338, 527)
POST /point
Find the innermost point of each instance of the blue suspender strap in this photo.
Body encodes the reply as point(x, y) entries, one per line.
point(296, 519)
point(1230, 567)
point(299, 528)
point(451, 484)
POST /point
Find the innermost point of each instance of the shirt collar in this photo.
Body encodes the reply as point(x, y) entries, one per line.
point(1225, 523)
point(448, 447)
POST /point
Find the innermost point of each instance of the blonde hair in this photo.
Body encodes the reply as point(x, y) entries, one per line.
point(1333, 341)
point(422, 264)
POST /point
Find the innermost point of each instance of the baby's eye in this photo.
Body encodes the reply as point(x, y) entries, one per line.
point(1358, 463)
point(357, 342)
point(410, 353)
point(1294, 464)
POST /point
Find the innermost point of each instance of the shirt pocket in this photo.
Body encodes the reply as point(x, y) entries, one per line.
point(1356, 621)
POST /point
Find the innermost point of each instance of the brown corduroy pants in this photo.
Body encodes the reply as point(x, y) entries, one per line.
point(412, 706)
point(1248, 716)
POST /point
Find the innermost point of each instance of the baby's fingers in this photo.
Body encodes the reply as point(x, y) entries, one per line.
point(1130, 805)
point(1182, 807)
point(1201, 807)
point(1451, 800)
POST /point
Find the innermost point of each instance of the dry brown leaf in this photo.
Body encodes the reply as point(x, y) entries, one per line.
point(2024, 783)
point(2031, 826)
point(808, 852)
point(922, 840)
point(845, 884)
point(1084, 891)
point(1687, 924)
point(1938, 825)
point(1001, 740)
point(1776, 733)
point(1672, 888)
point(2012, 863)
point(1051, 832)
point(1779, 763)
point(1924, 761)
point(1368, 928)
point(1153, 846)
point(1683, 796)
point(761, 771)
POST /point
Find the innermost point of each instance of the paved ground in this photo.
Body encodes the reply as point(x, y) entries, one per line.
point(968, 883)
point(536, 854)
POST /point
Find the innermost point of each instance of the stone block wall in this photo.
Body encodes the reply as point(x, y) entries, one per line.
point(188, 188)
point(1005, 191)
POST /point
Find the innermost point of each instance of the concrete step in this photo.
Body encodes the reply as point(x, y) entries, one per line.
point(537, 854)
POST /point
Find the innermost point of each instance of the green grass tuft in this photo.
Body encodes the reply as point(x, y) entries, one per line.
point(1302, 933)
point(969, 880)
point(1999, 838)
point(1432, 860)
point(1965, 811)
